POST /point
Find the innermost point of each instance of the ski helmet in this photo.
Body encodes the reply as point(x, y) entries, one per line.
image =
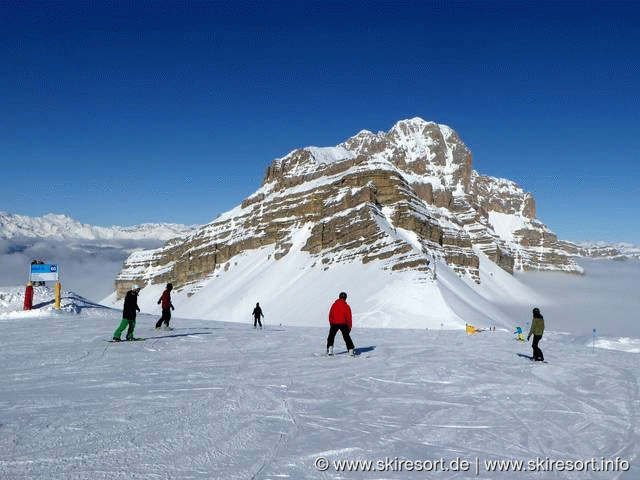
point(342, 295)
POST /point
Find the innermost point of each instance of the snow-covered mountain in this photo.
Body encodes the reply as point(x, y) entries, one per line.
point(62, 227)
point(89, 257)
point(399, 218)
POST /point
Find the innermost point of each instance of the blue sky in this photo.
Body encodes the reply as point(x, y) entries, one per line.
point(130, 112)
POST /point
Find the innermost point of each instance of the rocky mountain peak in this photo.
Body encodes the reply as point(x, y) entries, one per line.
point(426, 151)
point(400, 199)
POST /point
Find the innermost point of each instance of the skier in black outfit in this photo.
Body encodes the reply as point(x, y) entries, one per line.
point(257, 313)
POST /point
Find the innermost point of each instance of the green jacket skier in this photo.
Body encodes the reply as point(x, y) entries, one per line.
point(537, 326)
point(537, 330)
point(128, 314)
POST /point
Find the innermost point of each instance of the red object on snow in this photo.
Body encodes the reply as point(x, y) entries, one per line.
point(340, 313)
point(28, 297)
point(165, 299)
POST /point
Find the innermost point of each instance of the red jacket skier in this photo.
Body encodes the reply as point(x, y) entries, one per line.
point(167, 306)
point(340, 313)
point(165, 299)
point(340, 320)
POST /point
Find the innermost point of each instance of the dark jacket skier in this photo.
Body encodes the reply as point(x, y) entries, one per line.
point(537, 330)
point(340, 321)
point(257, 313)
point(167, 306)
point(128, 314)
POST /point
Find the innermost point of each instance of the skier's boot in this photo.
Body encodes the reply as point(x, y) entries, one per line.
point(330, 350)
point(117, 339)
point(352, 352)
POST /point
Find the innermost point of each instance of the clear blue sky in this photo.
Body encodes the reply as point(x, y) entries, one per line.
point(127, 112)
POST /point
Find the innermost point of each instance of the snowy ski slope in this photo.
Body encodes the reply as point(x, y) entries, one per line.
point(217, 400)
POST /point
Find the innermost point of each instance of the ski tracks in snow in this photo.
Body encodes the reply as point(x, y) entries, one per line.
point(236, 403)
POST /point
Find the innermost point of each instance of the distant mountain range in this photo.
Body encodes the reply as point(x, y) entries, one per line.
point(617, 251)
point(89, 257)
point(62, 227)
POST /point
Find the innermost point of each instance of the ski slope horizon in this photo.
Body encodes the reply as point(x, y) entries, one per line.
point(292, 291)
point(214, 399)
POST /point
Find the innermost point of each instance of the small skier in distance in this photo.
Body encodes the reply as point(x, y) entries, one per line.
point(257, 313)
point(167, 306)
point(128, 314)
point(537, 329)
point(340, 320)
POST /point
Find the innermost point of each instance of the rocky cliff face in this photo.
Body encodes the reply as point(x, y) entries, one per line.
point(401, 199)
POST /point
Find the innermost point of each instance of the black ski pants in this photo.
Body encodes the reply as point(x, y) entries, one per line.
point(166, 317)
point(256, 321)
point(537, 353)
point(344, 328)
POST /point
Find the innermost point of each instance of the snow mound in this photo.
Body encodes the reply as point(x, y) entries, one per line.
point(12, 302)
point(630, 345)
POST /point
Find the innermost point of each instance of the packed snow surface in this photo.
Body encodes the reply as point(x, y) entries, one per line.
point(218, 400)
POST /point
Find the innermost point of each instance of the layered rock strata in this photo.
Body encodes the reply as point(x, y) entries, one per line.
point(403, 199)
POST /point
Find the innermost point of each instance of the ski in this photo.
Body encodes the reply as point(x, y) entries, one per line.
point(357, 352)
point(174, 335)
point(530, 358)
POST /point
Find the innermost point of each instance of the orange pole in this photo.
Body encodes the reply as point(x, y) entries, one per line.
point(58, 289)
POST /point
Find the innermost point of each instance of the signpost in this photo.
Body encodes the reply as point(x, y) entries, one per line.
point(46, 272)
